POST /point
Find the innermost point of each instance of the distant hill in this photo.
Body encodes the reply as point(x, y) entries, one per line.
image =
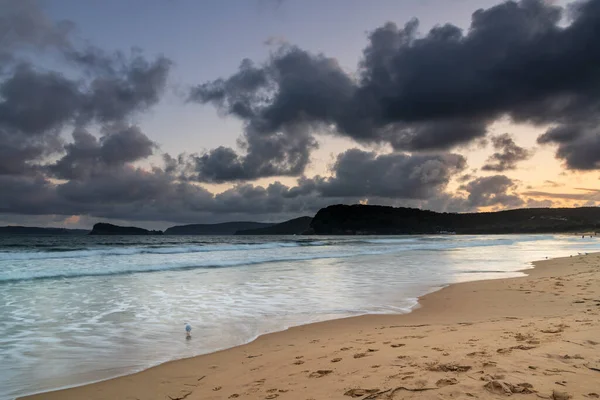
point(226, 228)
point(294, 226)
point(368, 220)
point(33, 230)
point(110, 229)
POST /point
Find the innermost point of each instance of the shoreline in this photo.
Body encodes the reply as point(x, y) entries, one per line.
point(451, 305)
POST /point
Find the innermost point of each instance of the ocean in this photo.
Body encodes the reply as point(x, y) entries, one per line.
point(77, 309)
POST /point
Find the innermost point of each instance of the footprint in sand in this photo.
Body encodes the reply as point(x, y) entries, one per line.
point(272, 396)
point(234, 396)
point(446, 382)
point(298, 362)
point(448, 367)
point(335, 360)
point(552, 330)
point(360, 392)
point(216, 389)
point(477, 353)
point(509, 349)
point(395, 345)
point(320, 373)
point(360, 355)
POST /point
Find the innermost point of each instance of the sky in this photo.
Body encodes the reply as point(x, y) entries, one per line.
point(162, 112)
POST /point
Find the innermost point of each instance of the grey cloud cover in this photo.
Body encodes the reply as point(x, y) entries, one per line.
point(422, 92)
point(359, 174)
point(492, 190)
point(423, 95)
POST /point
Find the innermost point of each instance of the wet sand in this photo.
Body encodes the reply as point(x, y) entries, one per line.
point(535, 336)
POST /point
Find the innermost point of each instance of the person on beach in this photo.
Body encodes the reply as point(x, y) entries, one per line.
point(188, 331)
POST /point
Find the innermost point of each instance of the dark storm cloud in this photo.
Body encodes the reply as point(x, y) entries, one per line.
point(495, 191)
point(281, 104)
point(578, 144)
point(87, 155)
point(34, 106)
point(360, 174)
point(37, 105)
point(134, 194)
point(271, 155)
point(19, 154)
point(507, 154)
point(102, 91)
point(423, 92)
point(34, 103)
point(135, 86)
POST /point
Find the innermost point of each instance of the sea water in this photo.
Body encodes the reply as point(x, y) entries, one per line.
point(77, 309)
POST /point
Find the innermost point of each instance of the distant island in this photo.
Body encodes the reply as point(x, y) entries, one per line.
point(33, 230)
point(226, 228)
point(381, 220)
point(102, 228)
point(296, 226)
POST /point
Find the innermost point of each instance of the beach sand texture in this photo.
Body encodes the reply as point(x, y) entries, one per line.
point(532, 337)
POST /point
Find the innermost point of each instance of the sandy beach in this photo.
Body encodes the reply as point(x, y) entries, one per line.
point(534, 336)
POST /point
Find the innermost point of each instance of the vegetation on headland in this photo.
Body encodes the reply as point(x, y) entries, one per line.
point(381, 220)
point(294, 226)
point(102, 228)
point(225, 228)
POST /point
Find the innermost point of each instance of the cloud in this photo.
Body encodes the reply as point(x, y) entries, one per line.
point(578, 143)
point(87, 155)
point(36, 104)
point(303, 90)
point(360, 174)
point(591, 195)
point(507, 154)
point(419, 95)
point(496, 191)
point(274, 155)
point(25, 27)
point(533, 203)
point(424, 92)
point(552, 183)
